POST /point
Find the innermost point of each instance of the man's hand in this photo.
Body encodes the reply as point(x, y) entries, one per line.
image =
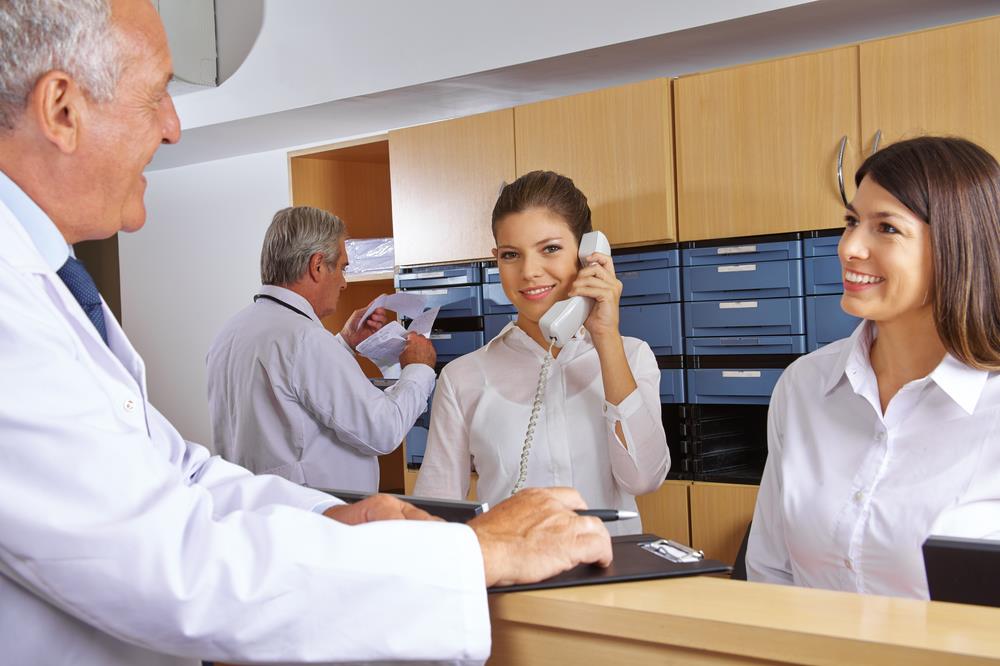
point(536, 534)
point(355, 331)
point(376, 507)
point(418, 350)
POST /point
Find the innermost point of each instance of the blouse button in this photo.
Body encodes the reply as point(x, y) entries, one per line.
point(858, 496)
point(848, 564)
point(129, 405)
point(879, 436)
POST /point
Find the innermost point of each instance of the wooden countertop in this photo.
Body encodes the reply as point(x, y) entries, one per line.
point(712, 620)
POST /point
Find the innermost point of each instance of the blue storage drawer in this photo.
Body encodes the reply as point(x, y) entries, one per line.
point(659, 325)
point(742, 253)
point(647, 260)
point(672, 386)
point(454, 301)
point(737, 386)
point(826, 321)
point(773, 316)
point(493, 324)
point(768, 279)
point(451, 345)
point(495, 301)
point(642, 286)
point(825, 246)
point(823, 275)
point(429, 276)
point(764, 344)
point(491, 274)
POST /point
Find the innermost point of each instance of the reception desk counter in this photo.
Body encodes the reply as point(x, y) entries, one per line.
point(709, 620)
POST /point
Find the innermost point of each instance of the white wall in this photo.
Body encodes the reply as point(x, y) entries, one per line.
point(191, 267)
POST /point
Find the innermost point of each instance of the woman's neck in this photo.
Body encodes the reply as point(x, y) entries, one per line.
point(534, 332)
point(905, 349)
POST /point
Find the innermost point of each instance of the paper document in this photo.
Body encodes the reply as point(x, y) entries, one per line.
point(386, 344)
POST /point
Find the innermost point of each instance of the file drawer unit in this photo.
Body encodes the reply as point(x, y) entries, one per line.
point(494, 300)
point(456, 289)
point(671, 379)
point(826, 321)
point(744, 320)
point(650, 302)
point(494, 323)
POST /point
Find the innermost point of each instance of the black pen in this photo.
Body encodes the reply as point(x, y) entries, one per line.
point(607, 515)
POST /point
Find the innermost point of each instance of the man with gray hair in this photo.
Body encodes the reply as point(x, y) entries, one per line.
point(288, 398)
point(120, 542)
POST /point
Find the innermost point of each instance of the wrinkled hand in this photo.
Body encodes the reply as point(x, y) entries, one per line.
point(355, 331)
point(536, 534)
point(599, 283)
point(418, 350)
point(376, 507)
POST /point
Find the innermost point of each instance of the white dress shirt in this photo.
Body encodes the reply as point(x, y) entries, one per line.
point(480, 414)
point(287, 397)
point(849, 494)
point(123, 544)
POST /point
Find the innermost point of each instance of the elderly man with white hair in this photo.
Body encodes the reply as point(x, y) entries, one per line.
point(120, 542)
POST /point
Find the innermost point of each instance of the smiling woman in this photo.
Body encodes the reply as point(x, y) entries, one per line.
point(598, 427)
point(879, 440)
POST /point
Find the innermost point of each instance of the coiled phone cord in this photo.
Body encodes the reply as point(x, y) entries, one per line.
point(536, 407)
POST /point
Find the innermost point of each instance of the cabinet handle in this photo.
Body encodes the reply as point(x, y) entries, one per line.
point(877, 140)
point(840, 169)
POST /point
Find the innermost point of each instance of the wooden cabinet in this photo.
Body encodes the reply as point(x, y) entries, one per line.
point(942, 81)
point(617, 146)
point(445, 178)
point(720, 513)
point(757, 145)
point(665, 511)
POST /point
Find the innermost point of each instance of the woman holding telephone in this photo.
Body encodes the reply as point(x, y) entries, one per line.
point(523, 411)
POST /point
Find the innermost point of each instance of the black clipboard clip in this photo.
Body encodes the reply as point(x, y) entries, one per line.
point(673, 551)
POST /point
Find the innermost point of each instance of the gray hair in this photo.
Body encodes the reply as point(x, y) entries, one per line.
point(296, 234)
point(38, 36)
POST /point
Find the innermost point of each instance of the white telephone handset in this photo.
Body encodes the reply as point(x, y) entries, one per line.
point(565, 318)
point(558, 325)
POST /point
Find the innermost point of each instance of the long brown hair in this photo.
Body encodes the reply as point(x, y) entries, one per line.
point(954, 186)
point(548, 190)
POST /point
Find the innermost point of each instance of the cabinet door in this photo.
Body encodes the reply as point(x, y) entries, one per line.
point(720, 513)
point(757, 145)
point(665, 511)
point(445, 178)
point(617, 146)
point(943, 81)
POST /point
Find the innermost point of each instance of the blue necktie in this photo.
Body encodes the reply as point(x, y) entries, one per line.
point(82, 286)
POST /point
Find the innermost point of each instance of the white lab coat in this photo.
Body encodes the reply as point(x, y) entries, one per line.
point(121, 543)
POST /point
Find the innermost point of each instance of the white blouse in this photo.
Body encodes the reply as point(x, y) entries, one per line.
point(849, 494)
point(480, 415)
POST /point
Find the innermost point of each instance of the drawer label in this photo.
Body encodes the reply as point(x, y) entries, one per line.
point(430, 292)
point(736, 249)
point(737, 268)
point(442, 336)
point(430, 274)
point(750, 374)
point(737, 305)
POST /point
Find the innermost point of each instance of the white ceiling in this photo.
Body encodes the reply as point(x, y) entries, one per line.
point(326, 71)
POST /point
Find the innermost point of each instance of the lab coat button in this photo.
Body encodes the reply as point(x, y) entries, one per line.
point(129, 405)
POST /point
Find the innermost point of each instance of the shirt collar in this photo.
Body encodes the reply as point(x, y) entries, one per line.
point(512, 334)
point(43, 232)
point(290, 297)
point(853, 356)
point(963, 384)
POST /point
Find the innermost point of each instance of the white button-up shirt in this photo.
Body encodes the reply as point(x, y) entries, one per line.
point(849, 494)
point(123, 544)
point(481, 410)
point(287, 397)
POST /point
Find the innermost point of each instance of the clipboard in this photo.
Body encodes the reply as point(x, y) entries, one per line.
point(631, 562)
